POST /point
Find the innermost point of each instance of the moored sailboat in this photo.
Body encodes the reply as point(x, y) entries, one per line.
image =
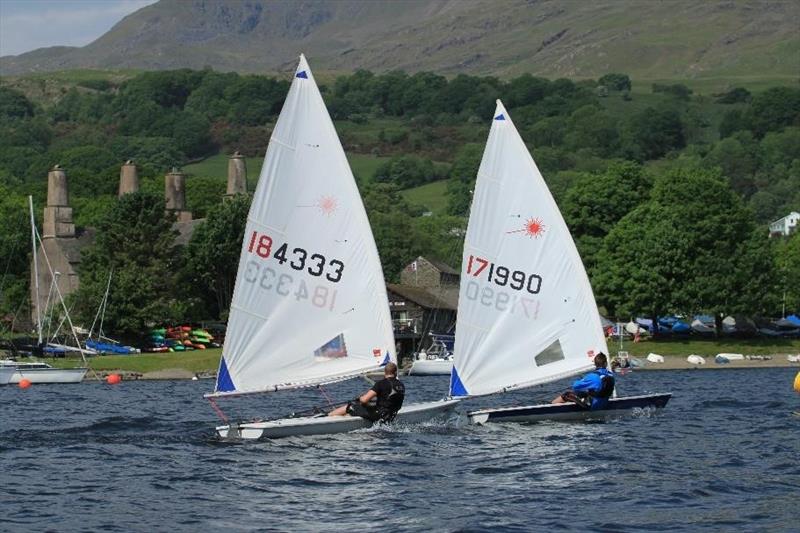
point(309, 306)
point(526, 314)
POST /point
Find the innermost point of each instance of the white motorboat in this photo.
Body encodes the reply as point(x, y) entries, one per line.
point(6, 375)
point(309, 305)
point(435, 366)
point(40, 372)
point(435, 361)
point(526, 311)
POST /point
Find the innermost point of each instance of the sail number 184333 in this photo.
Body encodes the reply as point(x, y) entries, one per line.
point(503, 276)
point(298, 258)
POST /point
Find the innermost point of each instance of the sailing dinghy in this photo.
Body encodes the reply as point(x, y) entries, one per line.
point(526, 311)
point(309, 305)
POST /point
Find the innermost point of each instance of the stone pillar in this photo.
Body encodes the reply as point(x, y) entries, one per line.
point(175, 195)
point(237, 175)
point(128, 178)
point(57, 213)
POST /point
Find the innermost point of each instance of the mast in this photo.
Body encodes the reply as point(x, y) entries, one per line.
point(35, 270)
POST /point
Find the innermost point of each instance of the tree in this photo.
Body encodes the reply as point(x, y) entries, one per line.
point(462, 178)
point(135, 239)
point(596, 202)
point(738, 158)
point(693, 247)
point(774, 109)
point(616, 82)
point(395, 238)
point(212, 255)
point(14, 105)
point(787, 259)
point(407, 171)
point(735, 96)
point(15, 243)
point(592, 128)
point(653, 132)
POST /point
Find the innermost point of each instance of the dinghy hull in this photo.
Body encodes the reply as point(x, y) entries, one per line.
point(326, 425)
point(617, 408)
point(49, 375)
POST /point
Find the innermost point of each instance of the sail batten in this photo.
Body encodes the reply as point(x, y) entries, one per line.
point(526, 312)
point(309, 305)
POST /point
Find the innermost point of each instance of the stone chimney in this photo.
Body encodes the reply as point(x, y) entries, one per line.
point(128, 178)
point(237, 175)
point(175, 195)
point(57, 213)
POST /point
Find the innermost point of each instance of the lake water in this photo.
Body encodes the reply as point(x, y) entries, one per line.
point(141, 456)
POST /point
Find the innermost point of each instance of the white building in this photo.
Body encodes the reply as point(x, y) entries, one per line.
point(785, 226)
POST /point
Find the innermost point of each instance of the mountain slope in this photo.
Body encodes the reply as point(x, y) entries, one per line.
point(650, 39)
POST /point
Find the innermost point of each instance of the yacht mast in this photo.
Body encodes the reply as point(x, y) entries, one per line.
point(35, 270)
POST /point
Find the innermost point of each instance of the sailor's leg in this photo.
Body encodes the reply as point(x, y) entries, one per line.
point(339, 411)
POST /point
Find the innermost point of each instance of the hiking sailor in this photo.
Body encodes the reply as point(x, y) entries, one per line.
point(594, 389)
point(381, 402)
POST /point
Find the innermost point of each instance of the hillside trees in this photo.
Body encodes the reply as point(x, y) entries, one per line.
point(787, 259)
point(615, 82)
point(15, 244)
point(462, 179)
point(392, 227)
point(596, 202)
point(408, 171)
point(652, 132)
point(693, 247)
point(212, 255)
point(135, 239)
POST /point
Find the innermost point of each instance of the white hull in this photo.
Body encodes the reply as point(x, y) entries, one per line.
point(617, 408)
point(49, 375)
point(324, 425)
point(431, 367)
point(5, 375)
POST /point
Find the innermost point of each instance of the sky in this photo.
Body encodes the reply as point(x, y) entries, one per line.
point(26, 25)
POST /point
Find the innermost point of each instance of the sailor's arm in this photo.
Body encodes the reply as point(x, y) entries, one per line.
point(367, 396)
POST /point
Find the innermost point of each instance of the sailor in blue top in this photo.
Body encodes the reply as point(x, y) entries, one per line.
point(594, 389)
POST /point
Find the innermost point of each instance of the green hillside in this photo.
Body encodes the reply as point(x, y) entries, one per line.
point(715, 42)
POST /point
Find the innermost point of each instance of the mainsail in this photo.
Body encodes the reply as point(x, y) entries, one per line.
point(526, 312)
point(309, 305)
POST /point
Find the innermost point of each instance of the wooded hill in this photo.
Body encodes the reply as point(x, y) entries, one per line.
point(728, 41)
point(667, 192)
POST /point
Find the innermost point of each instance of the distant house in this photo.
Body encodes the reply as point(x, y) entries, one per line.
point(424, 302)
point(424, 272)
point(785, 226)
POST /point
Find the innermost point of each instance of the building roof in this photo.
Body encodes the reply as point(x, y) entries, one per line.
point(427, 297)
point(441, 266)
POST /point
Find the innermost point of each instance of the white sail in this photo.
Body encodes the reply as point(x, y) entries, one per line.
point(309, 305)
point(526, 312)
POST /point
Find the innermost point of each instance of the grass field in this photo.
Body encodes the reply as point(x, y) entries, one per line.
point(194, 361)
point(207, 360)
point(431, 196)
point(707, 348)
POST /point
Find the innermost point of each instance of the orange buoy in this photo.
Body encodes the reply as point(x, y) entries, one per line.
point(797, 383)
point(24, 383)
point(113, 379)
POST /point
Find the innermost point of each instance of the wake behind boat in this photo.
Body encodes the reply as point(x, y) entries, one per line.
point(309, 305)
point(526, 311)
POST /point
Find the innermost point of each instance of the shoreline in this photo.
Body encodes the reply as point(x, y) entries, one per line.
point(670, 363)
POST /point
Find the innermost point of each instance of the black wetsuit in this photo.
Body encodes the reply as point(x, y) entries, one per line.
point(390, 395)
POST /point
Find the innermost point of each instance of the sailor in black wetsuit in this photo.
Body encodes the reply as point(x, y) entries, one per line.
point(381, 402)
